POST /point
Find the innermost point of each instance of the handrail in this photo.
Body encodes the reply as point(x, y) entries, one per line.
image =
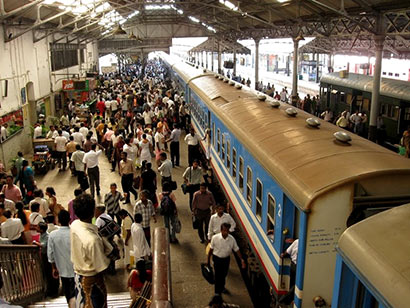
point(22, 273)
point(161, 270)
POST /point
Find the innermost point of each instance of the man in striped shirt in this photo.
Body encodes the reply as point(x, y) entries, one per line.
point(112, 202)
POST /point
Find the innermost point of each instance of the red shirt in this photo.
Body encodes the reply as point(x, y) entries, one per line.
point(101, 107)
point(135, 283)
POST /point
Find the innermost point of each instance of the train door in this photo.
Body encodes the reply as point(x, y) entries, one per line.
point(289, 233)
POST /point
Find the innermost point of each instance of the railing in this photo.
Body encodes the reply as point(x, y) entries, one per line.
point(22, 273)
point(161, 270)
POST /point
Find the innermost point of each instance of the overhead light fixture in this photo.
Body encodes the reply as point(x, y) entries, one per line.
point(299, 38)
point(119, 30)
point(132, 36)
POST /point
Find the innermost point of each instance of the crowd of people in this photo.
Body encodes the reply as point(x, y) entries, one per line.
point(138, 123)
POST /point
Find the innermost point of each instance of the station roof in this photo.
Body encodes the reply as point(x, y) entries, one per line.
point(211, 44)
point(226, 20)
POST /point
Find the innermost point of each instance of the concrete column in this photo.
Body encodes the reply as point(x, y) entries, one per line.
point(219, 58)
point(295, 68)
point(202, 58)
point(212, 60)
point(330, 63)
point(234, 63)
point(206, 60)
point(317, 68)
point(375, 104)
point(256, 62)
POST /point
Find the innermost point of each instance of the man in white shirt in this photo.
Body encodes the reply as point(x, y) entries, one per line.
point(147, 115)
point(292, 252)
point(165, 169)
point(38, 131)
point(193, 143)
point(83, 130)
point(114, 106)
point(140, 247)
point(101, 217)
point(12, 229)
point(77, 158)
point(61, 152)
point(78, 137)
point(89, 252)
point(174, 139)
point(218, 219)
point(52, 133)
point(222, 245)
point(91, 166)
point(8, 204)
point(59, 255)
point(159, 141)
point(3, 132)
point(44, 209)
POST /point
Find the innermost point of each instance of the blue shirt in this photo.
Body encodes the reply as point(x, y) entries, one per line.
point(59, 251)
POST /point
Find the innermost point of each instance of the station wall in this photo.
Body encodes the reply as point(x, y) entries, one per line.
point(26, 67)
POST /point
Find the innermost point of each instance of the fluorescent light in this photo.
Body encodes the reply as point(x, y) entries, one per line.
point(180, 12)
point(194, 19)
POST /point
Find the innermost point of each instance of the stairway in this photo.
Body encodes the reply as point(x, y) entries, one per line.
point(115, 300)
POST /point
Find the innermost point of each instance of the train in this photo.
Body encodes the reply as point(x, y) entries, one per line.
point(372, 263)
point(353, 92)
point(291, 175)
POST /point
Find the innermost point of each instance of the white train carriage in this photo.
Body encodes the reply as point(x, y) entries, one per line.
point(373, 262)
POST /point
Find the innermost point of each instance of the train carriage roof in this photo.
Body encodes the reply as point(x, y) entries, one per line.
point(188, 72)
point(399, 89)
point(306, 162)
point(379, 249)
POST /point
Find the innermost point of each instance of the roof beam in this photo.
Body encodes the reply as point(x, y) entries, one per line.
point(4, 14)
point(344, 14)
point(37, 24)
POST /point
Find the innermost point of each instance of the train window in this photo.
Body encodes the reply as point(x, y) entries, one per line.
point(259, 189)
point(271, 213)
point(218, 147)
point(249, 185)
point(234, 163)
point(407, 114)
point(223, 147)
point(213, 134)
point(228, 154)
point(241, 173)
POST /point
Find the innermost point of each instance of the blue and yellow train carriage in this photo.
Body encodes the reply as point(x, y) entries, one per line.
point(372, 265)
point(279, 173)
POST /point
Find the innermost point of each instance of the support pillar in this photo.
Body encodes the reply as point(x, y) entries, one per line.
point(375, 103)
point(257, 40)
point(202, 58)
point(295, 70)
point(212, 60)
point(234, 63)
point(219, 58)
point(206, 60)
point(330, 63)
point(317, 68)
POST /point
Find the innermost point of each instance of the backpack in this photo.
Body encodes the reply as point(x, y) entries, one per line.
point(167, 205)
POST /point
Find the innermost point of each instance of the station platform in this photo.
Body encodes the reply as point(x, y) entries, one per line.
point(189, 288)
point(279, 80)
